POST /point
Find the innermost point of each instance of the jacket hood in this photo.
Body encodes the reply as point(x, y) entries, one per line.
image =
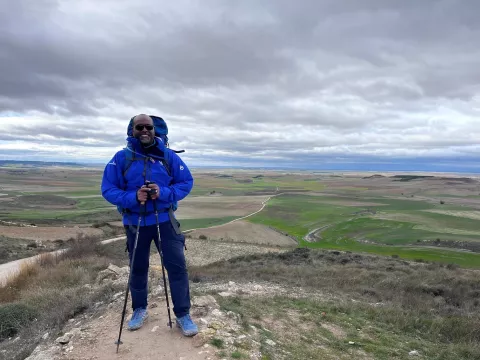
point(134, 145)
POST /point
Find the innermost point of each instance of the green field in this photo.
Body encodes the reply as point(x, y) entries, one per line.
point(348, 228)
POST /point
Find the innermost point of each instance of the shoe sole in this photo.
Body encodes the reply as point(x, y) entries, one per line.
point(187, 333)
point(132, 328)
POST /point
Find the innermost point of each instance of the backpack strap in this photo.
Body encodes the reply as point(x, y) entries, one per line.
point(172, 207)
point(129, 159)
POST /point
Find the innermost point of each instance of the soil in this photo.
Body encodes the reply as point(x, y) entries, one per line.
point(218, 206)
point(243, 231)
point(352, 203)
point(47, 233)
point(164, 343)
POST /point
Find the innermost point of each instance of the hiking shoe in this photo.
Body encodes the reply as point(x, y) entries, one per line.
point(187, 325)
point(138, 317)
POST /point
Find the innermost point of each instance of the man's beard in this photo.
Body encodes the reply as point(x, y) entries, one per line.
point(145, 140)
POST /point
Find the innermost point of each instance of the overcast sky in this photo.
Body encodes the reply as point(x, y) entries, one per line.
point(253, 82)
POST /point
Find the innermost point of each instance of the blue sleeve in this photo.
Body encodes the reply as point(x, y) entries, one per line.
point(112, 184)
point(182, 182)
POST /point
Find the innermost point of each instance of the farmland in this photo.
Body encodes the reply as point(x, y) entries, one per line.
point(432, 218)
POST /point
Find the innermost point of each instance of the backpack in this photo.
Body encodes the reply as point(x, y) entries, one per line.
point(161, 131)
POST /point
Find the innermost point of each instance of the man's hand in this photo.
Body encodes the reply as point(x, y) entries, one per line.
point(157, 193)
point(142, 194)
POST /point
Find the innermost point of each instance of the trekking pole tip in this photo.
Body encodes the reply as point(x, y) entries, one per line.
point(118, 342)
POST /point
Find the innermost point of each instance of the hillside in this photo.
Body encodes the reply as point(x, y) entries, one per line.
point(282, 304)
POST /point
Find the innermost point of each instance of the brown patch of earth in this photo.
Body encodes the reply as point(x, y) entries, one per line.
point(352, 203)
point(244, 231)
point(218, 206)
point(155, 340)
point(47, 233)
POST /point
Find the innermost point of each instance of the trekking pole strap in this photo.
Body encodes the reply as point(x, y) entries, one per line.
point(173, 221)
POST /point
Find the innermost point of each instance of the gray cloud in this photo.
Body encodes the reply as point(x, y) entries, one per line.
point(248, 79)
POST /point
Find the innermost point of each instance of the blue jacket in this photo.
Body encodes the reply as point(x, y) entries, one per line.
point(146, 167)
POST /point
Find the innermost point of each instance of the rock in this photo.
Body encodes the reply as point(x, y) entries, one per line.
point(45, 336)
point(121, 281)
point(414, 353)
point(231, 283)
point(228, 340)
point(241, 341)
point(104, 276)
point(75, 331)
point(225, 294)
point(270, 342)
point(217, 313)
point(155, 328)
point(208, 332)
point(351, 343)
point(204, 301)
point(157, 291)
point(65, 339)
point(113, 272)
point(43, 353)
point(115, 269)
point(215, 325)
point(117, 295)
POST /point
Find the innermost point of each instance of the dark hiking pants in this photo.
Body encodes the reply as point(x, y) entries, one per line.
point(173, 259)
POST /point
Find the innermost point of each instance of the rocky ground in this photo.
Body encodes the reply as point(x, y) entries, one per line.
point(93, 335)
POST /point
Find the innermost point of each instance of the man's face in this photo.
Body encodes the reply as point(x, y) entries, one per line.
point(143, 129)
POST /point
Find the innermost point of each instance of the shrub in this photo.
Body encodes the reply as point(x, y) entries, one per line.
point(13, 317)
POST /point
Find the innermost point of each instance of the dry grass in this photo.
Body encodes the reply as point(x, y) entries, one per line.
point(47, 292)
point(436, 305)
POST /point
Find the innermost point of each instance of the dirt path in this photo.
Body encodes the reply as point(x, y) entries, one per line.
point(312, 237)
point(155, 340)
point(94, 336)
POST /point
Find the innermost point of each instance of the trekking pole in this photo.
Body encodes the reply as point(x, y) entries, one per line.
point(161, 260)
point(118, 342)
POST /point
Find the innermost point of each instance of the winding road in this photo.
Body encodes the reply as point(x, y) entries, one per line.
point(311, 237)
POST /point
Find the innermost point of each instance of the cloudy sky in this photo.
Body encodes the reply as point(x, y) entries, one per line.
point(315, 83)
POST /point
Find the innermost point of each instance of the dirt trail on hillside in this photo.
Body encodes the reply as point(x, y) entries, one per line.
point(155, 340)
point(94, 337)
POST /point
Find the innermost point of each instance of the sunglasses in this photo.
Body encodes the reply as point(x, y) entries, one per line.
point(140, 127)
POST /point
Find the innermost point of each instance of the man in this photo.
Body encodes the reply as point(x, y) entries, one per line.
point(128, 191)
